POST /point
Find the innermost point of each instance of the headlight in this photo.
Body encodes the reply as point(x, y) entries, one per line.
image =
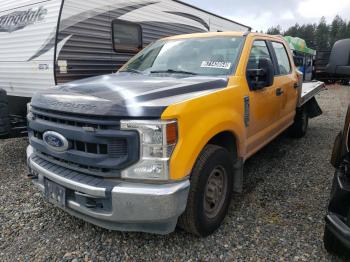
point(29, 107)
point(158, 139)
point(30, 115)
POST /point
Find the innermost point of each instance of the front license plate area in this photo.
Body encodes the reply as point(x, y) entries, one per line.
point(55, 193)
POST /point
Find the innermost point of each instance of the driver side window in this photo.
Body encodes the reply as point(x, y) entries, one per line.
point(259, 50)
point(260, 69)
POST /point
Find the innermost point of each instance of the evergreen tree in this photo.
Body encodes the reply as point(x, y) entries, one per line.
point(348, 30)
point(309, 35)
point(293, 30)
point(274, 30)
point(322, 35)
point(319, 36)
point(338, 29)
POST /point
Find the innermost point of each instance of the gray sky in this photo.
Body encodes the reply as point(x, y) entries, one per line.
point(260, 15)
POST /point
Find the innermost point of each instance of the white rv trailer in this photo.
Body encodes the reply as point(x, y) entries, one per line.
point(48, 42)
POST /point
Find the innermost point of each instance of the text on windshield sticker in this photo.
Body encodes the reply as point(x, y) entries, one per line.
point(213, 64)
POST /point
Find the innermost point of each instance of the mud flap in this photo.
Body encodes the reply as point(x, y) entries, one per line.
point(238, 176)
point(312, 108)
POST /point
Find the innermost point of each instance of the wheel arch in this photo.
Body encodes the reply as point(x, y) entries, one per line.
point(226, 139)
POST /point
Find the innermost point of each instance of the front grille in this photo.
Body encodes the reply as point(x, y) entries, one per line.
point(117, 148)
point(97, 146)
point(93, 148)
point(76, 120)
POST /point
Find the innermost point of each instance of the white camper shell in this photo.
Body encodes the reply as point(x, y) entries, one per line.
point(44, 43)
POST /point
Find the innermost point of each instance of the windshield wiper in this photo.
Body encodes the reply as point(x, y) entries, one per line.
point(132, 71)
point(172, 71)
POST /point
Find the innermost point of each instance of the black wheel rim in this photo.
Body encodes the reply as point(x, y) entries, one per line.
point(215, 192)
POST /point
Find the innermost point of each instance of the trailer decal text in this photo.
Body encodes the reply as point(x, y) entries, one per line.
point(19, 19)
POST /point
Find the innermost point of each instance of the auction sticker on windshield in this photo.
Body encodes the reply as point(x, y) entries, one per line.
point(213, 64)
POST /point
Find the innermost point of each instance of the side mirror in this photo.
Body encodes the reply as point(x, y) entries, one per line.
point(262, 76)
point(339, 60)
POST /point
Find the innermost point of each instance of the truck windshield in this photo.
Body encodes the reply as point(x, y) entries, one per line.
point(195, 56)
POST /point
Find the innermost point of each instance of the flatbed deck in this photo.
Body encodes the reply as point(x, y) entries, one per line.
point(309, 90)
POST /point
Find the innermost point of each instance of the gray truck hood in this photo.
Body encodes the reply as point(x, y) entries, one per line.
point(126, 94)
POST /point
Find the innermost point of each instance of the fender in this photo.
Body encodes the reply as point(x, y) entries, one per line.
point(199, 120)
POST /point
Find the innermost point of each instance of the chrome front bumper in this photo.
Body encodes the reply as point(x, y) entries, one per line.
point(127, 206)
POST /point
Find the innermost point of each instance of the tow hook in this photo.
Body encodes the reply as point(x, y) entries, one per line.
point(32, 174)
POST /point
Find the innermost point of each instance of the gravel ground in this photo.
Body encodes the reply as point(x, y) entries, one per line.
point(279, 217)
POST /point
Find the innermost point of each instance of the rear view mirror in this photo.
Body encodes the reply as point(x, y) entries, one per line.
point(339, 60)
point(262, 76)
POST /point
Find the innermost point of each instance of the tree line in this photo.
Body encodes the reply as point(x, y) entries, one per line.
point(319, 36)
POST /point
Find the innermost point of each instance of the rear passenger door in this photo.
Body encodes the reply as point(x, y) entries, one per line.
point(285, 80)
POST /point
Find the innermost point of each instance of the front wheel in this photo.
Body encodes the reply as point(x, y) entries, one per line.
point(300, 125)
point(210, 192)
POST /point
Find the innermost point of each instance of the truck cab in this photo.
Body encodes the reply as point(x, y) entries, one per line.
point(162, 142)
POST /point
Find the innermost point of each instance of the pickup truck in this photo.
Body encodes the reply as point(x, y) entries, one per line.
point(337, 228)
point(163, 141)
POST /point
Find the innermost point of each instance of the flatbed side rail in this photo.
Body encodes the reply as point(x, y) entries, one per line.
point(309, 90)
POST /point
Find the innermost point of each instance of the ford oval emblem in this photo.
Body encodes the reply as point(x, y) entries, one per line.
point(55, 141)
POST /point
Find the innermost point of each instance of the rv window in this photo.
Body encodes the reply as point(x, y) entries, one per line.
point(127, 36)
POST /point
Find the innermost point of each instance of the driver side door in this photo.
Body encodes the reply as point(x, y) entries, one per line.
point(264, 104)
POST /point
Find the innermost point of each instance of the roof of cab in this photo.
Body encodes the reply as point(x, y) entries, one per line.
point(217, 34)
point(203, 35)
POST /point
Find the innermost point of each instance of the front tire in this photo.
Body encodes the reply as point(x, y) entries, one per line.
point(300, 125)
point(210, 192)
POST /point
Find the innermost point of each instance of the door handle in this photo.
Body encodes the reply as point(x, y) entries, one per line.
point(279, 91)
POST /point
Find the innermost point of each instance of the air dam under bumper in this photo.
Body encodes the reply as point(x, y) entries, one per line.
point(151, 208)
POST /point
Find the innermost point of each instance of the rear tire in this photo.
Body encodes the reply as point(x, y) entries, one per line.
point(5, 126)
point(210, 192)
point(300, 125)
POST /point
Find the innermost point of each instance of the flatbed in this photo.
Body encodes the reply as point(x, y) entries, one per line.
point(309, 90)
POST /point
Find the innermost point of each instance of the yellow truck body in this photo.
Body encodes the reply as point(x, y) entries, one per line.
point(202, 118)
point(163, 141)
